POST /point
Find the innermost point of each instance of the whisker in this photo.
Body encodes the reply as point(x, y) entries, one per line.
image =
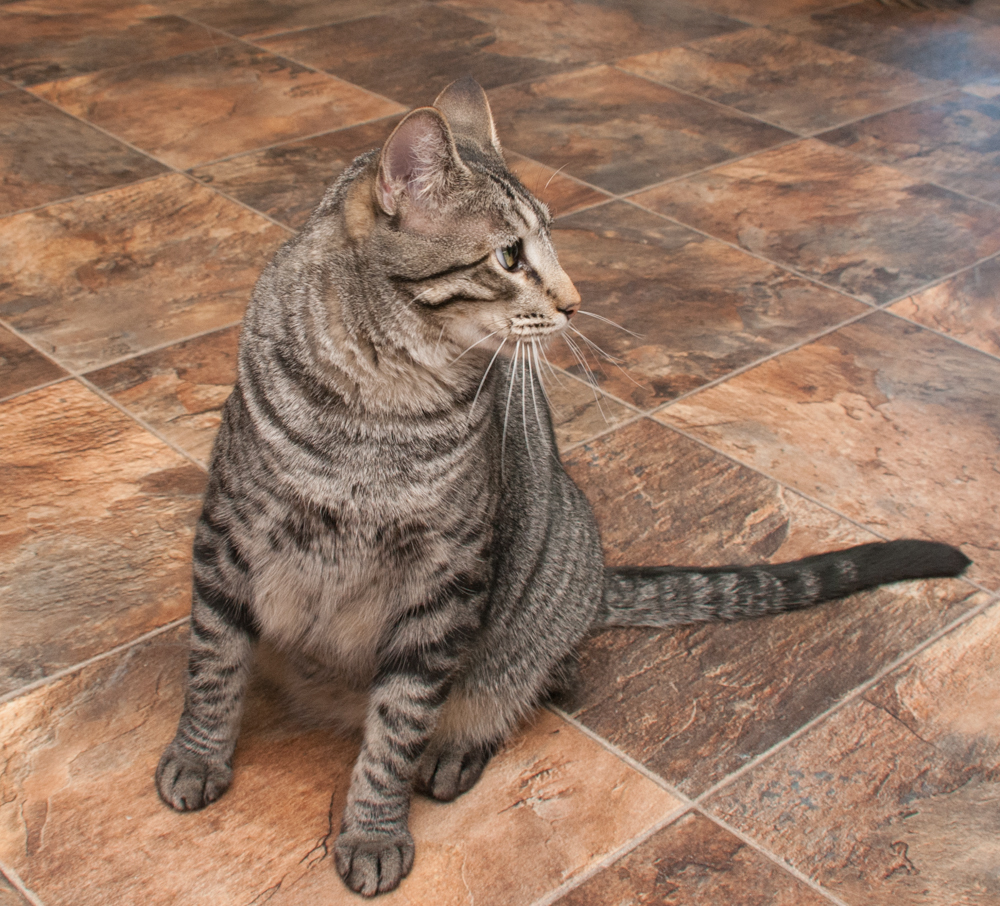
point(506, 413)
point(554, 175)
point(524, 412)
point(616, 362)
point(592, 382)
point(591, 314)
point(473, 346)
point(534, 399)
point(472, 408)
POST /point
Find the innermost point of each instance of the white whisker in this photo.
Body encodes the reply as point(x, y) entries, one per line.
point(524, 410)
point(506, 413)
point(592, 379)
point(554, 175)
point(616, 362)
point(473, 346)
point(591, 314)
point(472, 408)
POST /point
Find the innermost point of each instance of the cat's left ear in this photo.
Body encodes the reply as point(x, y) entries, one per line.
point(418, 162)
point(465, 106)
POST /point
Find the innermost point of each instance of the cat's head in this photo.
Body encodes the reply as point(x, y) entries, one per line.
point(465, 244)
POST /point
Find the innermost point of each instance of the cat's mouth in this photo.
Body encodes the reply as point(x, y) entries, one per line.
point(536, 325)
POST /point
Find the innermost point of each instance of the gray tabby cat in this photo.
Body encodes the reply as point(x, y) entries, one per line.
point(387, 512)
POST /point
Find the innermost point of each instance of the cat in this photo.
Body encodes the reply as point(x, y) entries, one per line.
point(386, 508)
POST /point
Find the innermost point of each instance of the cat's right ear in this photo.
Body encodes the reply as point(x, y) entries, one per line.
point(417, 162)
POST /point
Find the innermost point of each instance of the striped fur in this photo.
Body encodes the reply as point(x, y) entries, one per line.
point(386, 517)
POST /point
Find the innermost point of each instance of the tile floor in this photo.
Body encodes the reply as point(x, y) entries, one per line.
point(794, 207)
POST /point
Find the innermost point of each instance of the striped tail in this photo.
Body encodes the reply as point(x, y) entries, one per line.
point(668, 595)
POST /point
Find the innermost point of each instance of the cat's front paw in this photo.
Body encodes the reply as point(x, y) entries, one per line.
point(187, 781)
point(444, 774)
point(375, 862)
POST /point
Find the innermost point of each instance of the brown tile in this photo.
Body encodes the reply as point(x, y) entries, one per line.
point(9, 895)
point(22, 367)
point(782, 79)
point(620, 132)
point(953, 141)
point(254, 18)
point(964, 307)
point(214, 104)
point(410, 55)
point(78, 783)
point(578, 411)
point(862, 228)
point(690, 862)
point(889, 424)
point(700, 308)
point(178, 390)
point(987, 10)
point(78, 270)
point(935, 43)
point(46, 155)
point(696, 702)
point(762, 13)
point(893, 798)
point(95, 549)
point(286, 182)
point(561, 193)
point(573, 33)
point(41, 41)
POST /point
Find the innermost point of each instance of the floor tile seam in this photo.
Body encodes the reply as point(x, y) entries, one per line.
point(63, 672)
point(778, 264)
point(159, 347)
point(287, 141)
point(290, 231)
point(32, 389)
point(15, 881)
point(609, 859)
point(142, 423)
point(771, 856)
point(414, 4)
point(79, 377)
point(73, 197)
point(858, 692)
point(944, 334)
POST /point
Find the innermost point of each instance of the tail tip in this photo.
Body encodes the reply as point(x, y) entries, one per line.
point(930, 559)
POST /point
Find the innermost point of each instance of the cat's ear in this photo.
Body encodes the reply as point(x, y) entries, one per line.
point(418, 161)
point(467, 110)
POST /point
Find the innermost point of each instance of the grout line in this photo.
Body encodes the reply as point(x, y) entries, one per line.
point(15, 881)
point(159, 347)
point(96, 659)
point(420, 4)
point(80, 378)
point(943, 334)
point(32, 389)
point(609, 859)
point(857, 692)
point(773, 857)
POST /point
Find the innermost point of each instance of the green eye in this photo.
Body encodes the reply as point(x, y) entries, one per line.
point(509, 255)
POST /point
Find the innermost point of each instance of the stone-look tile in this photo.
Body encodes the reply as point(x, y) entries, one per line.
point(41, 41)
point(966, 307)
point(987, 10)
point(255, 18)
point(862, 228)
point(782, 79)
point(178, 390)
point(97, 519)
point(109, 275)
point(696, 702)
point(700, 307)
point(938, 44)
point(287, 181)
point(619, 132)
point(410, 55)
point(561, 193)
point(46, 155)
point(213, 104)
point(693, 862)
point(893, 798)
point(574, 33)
point(9, 895)
point(22, 367)
point(762, 13)
point(578, 410)
point(81, 822)
point(892, 425)
point(953, 141)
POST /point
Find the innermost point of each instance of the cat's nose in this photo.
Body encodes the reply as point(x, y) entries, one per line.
point(569, 296)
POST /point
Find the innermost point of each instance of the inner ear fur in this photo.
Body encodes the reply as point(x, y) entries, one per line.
point(418, 162)
point(467, 110)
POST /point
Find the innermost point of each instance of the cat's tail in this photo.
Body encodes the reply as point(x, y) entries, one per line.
point(668, 595)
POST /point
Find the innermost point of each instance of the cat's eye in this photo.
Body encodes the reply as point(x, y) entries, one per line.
point(510, 255)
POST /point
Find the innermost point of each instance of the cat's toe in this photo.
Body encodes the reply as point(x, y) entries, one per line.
point(372, 864)
point(445, 775)
point(187, 782)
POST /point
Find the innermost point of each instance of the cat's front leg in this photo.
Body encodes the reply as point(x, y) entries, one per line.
point(195, 768)
point(374, 850)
